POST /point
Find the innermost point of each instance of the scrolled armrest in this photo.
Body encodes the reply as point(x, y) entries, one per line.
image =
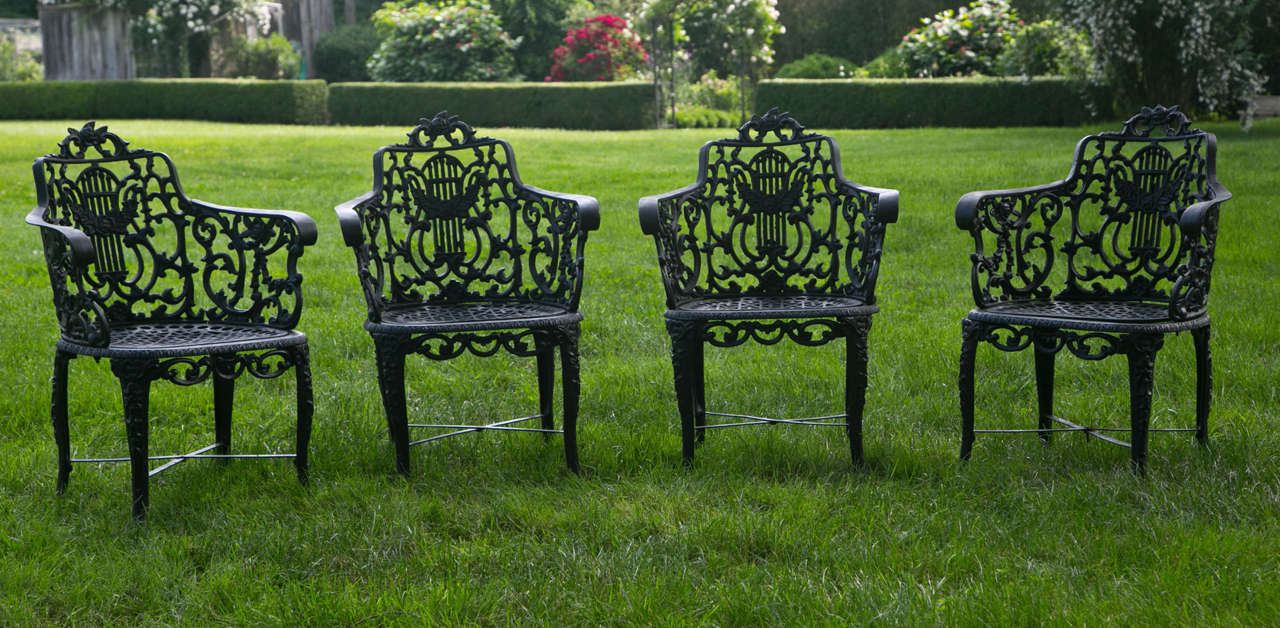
point(649, 215)
point(968, 205)
point(885, 206)
point(588, 206)
point(81, 246)
point(349, 220)
point(304, 224)
point(1193, 218)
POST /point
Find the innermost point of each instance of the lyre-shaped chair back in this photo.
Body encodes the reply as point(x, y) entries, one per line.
point(770, 215)
point(449, 221)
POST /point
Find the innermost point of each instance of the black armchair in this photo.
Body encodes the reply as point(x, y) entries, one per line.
point(770, 243)
point(455, 254)
point(165, 287)
point(1104, 262)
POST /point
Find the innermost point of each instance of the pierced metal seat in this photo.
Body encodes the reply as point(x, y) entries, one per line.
point(168, 288)
point(1104, 262)
point(455, 255)
point(770, 243)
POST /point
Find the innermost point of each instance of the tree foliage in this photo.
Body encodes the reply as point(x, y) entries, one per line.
point(1194, 53)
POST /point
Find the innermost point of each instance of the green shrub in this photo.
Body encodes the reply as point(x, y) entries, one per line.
point(342, 55)
point(17, 65)
point(287, 102)
point(694, 117)
point(959, 42)
point(817, 66)
point(711, 92)
point(456, 41)
point(857, 30)
point(47, 99)
point(270, 58)
point(969, 102)
point(888, 65)
point(1044, 48)
point(555, 105)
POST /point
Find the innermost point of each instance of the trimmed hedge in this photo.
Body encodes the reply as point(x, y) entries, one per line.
point(597, 106)
point(224, 100)
point(973, 102)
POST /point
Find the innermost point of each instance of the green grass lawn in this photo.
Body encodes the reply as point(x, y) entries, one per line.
point(770, 526)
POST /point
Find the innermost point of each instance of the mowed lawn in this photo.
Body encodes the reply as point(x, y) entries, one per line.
point(771, 525)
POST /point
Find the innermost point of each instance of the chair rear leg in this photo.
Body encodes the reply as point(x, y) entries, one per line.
point(572, 385)
point(390, 357)
point(224, 389)
point(546, 384)
point(135, 386)
point(855, 382)
point(1204, 383)
point(306, 408)
point(1142, 366)
point(971, 334)
point(683, 335)
point(61, 435)
point(1044, 388)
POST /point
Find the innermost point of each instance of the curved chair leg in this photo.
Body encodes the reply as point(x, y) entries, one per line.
point(698, 382)
point(224, 388)
point(1142, 366)
point(135, 387)
point(971, 334)
point(1204, 383)
point(571, 383)
point(390, 357)
point(546, 383)
point(1045, 356)
point(683, 335)
point(855, 382)
point(61, 435)
point(306, 408)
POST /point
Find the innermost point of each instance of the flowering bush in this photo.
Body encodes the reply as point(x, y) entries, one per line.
point(456, 41)
point(732, 36)
point(959, 41)
point(602, 49)
point(1047, 47)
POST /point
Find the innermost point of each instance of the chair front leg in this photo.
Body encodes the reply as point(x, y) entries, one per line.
point(971, 333)
point(572, 385)
point(224, 389)
point(1204, 383)
point(135, 377)
point(1141, 354)
point(61, 435)
point(683, 335)
point(389, 352)
point(1045, 350)
point(855, 381)
point(306, 408)
point(698, 382)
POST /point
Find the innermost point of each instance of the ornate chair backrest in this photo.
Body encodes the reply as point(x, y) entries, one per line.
point(1110, 231)
point(1127, 193)
point(157, 256)
point(449, 221)
point(770, 215)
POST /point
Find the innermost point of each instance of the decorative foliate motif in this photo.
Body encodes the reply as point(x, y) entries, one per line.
point(770, 218)
point(452, 223)
point(157, 256)
point(1111, 230)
